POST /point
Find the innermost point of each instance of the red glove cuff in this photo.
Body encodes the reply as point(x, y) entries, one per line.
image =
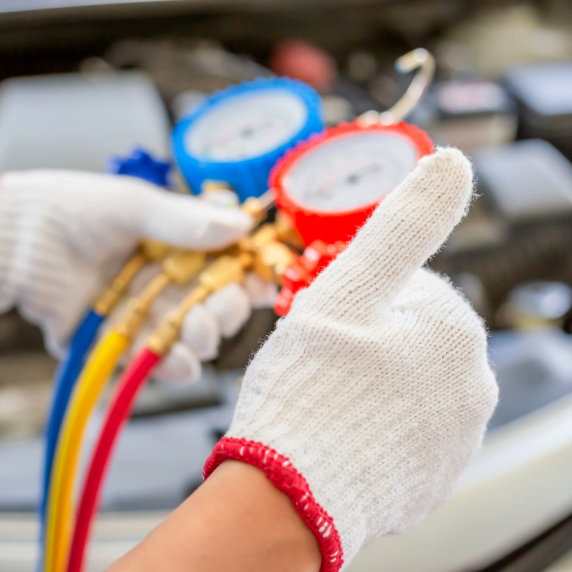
point(282, 474)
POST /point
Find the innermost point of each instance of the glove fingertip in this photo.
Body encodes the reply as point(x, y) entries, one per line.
point(262, 293)
point(181, 367)
point(231, 307)
point(201, 332)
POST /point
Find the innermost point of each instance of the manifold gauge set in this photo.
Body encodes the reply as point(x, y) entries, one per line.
point(266, 142)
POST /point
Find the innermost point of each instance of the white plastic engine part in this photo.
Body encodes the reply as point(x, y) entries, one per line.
point(76, 121)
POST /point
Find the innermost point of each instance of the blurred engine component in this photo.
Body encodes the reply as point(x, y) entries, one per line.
point(531, 252)
point(361, 66)
point(23, 404)
point(26, 373)
point(358, 97)
point(526, 181)
point(17, 335)
point(307, 62)
point(388, 87)
point(186, 102)
point(526, 197)
point(76, 121)
point(544, 94)
point(474, 292)
point(533, 369)
point(337, 109)
point(538, 304)
point(178, 66)
point(468, 114)
point(492, 41)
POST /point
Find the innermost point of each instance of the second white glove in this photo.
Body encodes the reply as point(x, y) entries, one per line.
point(63, 234)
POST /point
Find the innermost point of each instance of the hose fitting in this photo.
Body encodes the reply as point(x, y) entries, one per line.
point(221, 272)
point(178, 268)
point(150, 250)
point(118, 287)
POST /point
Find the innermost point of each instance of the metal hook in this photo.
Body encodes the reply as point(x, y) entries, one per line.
point(419, 58)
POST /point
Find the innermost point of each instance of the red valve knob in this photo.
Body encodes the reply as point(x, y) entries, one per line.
point(301, 273)
point(283, 301)
point(296, 276)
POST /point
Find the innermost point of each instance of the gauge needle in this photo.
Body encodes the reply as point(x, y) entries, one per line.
point(251, 130)
point(350, 179)
point(246, 131)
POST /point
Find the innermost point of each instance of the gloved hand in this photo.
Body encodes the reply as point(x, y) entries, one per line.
point(369, 399)
point(64, 234)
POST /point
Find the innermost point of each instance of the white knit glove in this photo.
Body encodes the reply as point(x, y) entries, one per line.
point(369, 399)
point(63, 235)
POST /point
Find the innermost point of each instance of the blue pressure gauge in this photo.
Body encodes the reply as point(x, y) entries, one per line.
point(238, 134)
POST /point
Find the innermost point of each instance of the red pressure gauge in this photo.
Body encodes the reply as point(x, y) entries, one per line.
point(330, 184)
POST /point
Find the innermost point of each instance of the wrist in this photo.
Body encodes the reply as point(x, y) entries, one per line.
point(278, 539)
point(280, 471)
point(235, 522)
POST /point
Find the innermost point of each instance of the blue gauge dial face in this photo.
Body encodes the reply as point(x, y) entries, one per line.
point(246, 126)
point(350, 171)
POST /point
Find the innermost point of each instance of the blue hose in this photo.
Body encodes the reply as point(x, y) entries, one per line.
point(64, 382)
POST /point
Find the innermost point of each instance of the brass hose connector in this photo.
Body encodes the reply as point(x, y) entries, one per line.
point(253, 242)
point(270, 256)
point(220, 273)
point(178, 268)
point(287, 232)
point(261, 250)
point(182, 265)
point(155, 250)
point(118, 287)
point(256, 207)
point(149, 251)
point(272, 259)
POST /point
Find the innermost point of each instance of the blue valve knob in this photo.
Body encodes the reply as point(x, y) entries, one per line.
point(141, 165)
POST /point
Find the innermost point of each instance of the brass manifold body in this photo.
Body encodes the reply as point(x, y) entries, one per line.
point(264, 251)
point(149, 251)
point(261, 251)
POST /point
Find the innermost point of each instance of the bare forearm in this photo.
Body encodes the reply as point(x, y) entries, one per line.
point(237, 521)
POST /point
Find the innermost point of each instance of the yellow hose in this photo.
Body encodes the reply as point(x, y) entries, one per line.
point(59, 510)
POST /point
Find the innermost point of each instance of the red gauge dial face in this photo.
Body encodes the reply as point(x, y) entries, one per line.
point(331, 184)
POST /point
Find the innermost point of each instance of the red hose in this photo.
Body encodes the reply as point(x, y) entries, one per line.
point(116, 416)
